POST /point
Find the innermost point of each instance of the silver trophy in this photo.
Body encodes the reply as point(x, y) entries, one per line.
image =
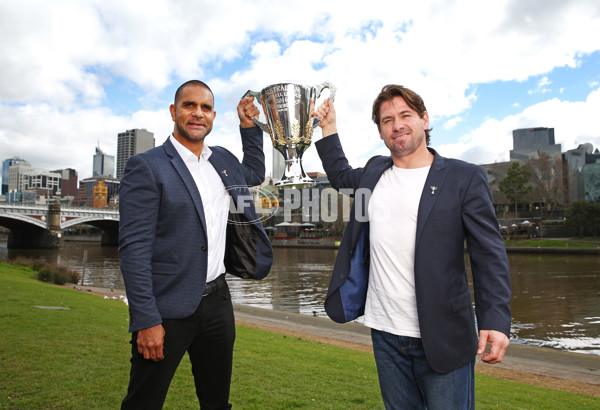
point(287, 108)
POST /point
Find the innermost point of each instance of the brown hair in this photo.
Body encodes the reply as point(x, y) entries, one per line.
point(413, 100)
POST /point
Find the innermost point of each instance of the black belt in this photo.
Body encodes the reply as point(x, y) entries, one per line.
point(214, 285)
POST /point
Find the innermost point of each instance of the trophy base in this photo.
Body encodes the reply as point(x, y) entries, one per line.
point(296, 182)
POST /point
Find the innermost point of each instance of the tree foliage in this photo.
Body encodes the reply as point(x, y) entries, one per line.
point(515, 186)
point(583, 218)
point(547, 179)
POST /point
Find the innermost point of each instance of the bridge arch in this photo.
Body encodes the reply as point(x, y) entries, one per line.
point(42, 226)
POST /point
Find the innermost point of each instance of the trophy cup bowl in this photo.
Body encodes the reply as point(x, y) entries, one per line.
point(287, 108)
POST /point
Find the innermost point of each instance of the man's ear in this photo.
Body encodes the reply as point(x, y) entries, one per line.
point(172, 110)
point(425, 120)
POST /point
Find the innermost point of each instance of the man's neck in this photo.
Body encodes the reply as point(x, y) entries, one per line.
point(195, 146)
point(419, 159)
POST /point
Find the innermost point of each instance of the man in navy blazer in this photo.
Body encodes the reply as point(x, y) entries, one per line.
point(178, 236)
point(401, 261)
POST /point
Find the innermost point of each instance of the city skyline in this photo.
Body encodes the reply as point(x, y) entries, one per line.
point(75, 76)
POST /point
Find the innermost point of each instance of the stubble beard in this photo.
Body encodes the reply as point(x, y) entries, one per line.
point(184, 134)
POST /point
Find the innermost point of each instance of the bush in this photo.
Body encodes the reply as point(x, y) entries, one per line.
point(55, 274)
point(583, 218)
point(47, 272)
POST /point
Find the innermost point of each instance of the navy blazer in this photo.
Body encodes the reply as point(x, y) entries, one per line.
point(455, 206)
point(162, 230)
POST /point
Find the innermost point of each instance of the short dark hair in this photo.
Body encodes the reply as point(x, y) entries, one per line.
point(196, 83)
point(389, 92)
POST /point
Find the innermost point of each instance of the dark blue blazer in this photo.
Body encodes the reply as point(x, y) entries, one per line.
point(162, 230)
point(455, 207)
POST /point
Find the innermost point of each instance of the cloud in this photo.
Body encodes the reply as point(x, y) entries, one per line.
point(453, 122)
point(542, 86)
point(492, 141)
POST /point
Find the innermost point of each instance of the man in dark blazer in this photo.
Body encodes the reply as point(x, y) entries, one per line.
point(178, 236)
point(401, 260)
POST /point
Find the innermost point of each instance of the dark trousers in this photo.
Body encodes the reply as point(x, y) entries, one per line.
point(208, 336)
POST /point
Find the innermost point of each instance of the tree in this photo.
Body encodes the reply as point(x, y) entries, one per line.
point(548, 183)
point(515, 186)
point(583, 217)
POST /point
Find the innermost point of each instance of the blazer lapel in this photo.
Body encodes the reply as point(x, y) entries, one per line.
point(187, 179)
point(219, 165)
point(433, 185)
point(229, 180)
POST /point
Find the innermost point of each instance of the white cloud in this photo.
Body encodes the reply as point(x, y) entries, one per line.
point(541, 86)
point(453, 122)
point(492, 141)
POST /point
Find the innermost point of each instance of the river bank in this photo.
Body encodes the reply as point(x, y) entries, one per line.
point(574, 372)
point(593, 247)
point(555, 296)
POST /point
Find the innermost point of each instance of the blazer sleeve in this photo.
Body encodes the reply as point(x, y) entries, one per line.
point(487, 252)
point(139, 200)
point(339, 172)
point(253, 161)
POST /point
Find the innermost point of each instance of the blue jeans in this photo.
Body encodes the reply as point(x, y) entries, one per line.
point(408, 382)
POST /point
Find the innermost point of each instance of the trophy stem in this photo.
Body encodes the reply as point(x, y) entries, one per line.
point(294, 175)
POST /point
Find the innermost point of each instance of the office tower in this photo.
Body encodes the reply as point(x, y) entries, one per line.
point(6, 164)
point(27, 179)
point(104, 164)
point(132, 142)
point(531, 143)
point(68, 182)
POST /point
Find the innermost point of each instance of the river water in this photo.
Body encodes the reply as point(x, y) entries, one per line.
point(556, 298)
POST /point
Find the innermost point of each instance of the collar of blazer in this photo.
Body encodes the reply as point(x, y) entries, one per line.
point(431, 191)
point(435, 179)
point(187, 179)
point(235, 187)
point(225, 173)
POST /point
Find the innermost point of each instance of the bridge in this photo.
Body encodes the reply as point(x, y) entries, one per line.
point(41, 226)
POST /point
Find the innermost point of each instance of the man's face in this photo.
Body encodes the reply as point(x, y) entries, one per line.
point(401, 128)
point(193, 113)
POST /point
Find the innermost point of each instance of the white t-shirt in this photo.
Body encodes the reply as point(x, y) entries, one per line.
point(215, 201)
point(391, 304)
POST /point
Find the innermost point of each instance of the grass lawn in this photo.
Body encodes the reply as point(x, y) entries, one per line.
point(552, 243)
point(77, 357)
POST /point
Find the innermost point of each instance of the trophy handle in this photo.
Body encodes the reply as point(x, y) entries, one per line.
point(319, 88)
point(264, 127)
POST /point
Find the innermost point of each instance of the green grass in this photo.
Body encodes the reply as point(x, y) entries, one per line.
point(79, 358)
point(550, 243)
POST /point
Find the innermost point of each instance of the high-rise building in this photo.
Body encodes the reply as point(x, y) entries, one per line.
point(531, 143)
point(6, 164)
point(104, 164)
point(68, 182)
point(132, 142)
point(24, 178)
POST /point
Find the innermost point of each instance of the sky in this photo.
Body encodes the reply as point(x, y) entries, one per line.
point(75, 73)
